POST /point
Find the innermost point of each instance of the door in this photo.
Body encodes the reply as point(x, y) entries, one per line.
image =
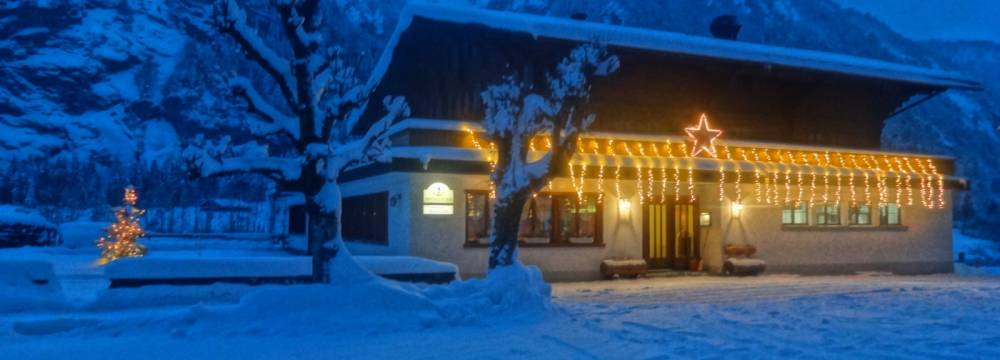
point(670, 235)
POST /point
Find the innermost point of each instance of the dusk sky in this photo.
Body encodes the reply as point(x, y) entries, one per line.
point(936, 19)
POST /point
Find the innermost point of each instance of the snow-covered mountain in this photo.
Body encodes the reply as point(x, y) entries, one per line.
point(130, 80)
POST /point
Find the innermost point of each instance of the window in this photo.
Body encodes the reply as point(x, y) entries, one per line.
point(297, 220)
point(366, 218)
point(828, 214)
point(536, 220)
point(860, 214)
point(548, 218)
point(795, 214)
point(889, 214)
point(477, 217)
point(578, 220)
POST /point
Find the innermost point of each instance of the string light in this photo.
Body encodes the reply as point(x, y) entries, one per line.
point(663, 173)
point(788, 179)
point(826, 176)
point(600, 173)
point(677, 174)
point(909, 187)
point(123, 234)
point(826, 169)
point(925, 191)
point(812, 179)
point(756, 173)
point(690, 181)
point(618, 169)
point(940, 184)
point(739, 176)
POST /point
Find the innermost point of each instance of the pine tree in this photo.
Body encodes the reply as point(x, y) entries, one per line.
point(121, 237)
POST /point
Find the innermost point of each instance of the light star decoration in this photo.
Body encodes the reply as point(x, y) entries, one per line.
point(703, 137)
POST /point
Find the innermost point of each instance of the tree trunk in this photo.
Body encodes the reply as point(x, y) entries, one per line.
point(506, 226)
point(322, 227)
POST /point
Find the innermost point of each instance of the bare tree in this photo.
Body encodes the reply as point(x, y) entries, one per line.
point(515, 114)
point(322, 100)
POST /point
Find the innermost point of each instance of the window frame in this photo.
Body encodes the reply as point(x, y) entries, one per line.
point(883, 215)
point(371, 233)
point(854, 210)
point(793, 209)
point(487, 213)
point(555, 230)
point(824, 208)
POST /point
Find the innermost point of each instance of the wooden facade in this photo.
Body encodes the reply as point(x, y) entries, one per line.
point(442, 67)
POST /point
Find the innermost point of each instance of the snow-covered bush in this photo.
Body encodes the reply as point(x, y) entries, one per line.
point(79, 235)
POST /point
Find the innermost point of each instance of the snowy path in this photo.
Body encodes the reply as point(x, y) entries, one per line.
point(705, 317)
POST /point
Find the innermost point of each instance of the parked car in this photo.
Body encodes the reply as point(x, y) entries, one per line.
point(20, 226)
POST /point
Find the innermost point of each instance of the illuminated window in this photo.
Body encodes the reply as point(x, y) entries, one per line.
point(548, 218)
point(477, 217)
point(860, 214)
point(578, 219)
point(889, 214)
point(536, 220)
point(795, 214)
point(828, 214)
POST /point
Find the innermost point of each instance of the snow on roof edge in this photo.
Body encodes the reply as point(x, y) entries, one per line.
point(554, 27)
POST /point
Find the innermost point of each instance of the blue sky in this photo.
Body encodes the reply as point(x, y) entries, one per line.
point(936, 19)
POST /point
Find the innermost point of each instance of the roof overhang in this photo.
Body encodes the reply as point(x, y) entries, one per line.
point(670, 42)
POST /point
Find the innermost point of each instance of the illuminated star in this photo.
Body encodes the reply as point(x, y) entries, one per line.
point(703, 137)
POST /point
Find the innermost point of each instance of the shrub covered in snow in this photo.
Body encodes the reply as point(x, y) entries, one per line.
point(24, 227)
point(81, 235)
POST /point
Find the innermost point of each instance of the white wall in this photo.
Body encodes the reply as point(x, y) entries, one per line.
point(398, 186)
point(923, 247)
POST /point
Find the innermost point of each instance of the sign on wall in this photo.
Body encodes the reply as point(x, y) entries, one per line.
point(439, 199)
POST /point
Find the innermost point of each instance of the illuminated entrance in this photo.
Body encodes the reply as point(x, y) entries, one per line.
point(670, 234)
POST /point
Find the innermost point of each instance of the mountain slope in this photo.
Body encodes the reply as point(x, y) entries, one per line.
point(131, 81)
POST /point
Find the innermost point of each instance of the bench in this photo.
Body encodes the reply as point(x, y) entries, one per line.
point(630, 268)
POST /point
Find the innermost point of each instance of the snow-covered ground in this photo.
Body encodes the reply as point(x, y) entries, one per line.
point(862, 316)
point(763, 317)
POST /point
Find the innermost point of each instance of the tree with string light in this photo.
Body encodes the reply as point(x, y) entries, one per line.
point(123, 234)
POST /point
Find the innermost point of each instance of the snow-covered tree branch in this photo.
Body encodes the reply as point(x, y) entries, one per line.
point(306, 144)
point(514, 115)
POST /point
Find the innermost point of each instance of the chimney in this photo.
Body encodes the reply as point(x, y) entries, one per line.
point(578, 16)
point(725, 27)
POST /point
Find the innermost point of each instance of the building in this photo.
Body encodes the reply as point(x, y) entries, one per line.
point(796, 173)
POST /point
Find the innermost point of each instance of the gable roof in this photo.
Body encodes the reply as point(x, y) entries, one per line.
point(670, 42)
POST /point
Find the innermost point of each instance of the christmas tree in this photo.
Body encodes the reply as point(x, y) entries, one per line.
point(121, 237)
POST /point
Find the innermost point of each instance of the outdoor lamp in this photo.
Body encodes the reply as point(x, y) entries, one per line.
point(737, 209)
point(624, 209)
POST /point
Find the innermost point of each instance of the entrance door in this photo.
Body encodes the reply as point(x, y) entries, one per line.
point(670, 234)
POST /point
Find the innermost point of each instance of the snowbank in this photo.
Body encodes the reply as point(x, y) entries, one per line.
point(10, 214)
point(511, 292)
point(192, 266)
point(392, 265)
point(79, 235)
point(28, 285)
point(355, 302)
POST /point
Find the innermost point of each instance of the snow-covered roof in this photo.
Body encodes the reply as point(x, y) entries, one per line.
point(670, 42)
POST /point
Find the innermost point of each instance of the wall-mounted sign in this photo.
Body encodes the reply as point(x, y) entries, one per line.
point(439, 199)
point(437, 209)
point(705, 219)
